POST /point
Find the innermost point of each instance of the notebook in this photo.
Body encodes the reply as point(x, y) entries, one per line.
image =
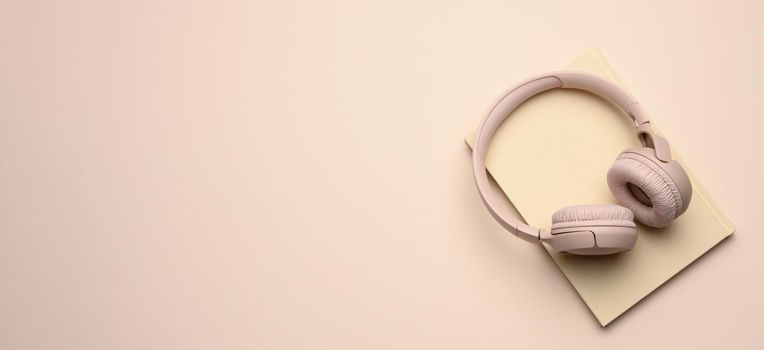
point(569, 139)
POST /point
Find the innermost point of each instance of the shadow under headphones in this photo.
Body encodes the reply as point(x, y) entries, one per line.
point(651, 186)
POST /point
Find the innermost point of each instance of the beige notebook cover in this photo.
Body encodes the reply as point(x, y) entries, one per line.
point(569, 139)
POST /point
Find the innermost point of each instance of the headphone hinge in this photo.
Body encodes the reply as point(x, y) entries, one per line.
point(652, 140)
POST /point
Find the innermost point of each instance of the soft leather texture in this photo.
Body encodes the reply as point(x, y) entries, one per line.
point(653, 181)
point(592, 212)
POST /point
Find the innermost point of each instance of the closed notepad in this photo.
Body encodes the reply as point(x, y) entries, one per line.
point(565, 141)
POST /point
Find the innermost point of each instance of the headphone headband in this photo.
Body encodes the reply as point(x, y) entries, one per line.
point(514, 97)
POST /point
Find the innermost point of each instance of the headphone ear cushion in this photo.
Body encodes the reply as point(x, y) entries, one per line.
point(641, 185)
point(593, 212)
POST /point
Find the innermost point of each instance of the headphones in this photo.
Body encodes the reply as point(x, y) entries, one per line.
point(651, 186)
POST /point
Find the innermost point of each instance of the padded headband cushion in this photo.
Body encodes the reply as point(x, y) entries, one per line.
point(599, 212)
point(665, 201)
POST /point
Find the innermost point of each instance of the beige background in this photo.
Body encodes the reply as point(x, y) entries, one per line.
point(292, 175)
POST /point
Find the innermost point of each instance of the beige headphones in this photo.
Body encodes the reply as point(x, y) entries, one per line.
point(651, 186)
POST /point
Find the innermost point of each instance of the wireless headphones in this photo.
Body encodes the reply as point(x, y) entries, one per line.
point(651, 186)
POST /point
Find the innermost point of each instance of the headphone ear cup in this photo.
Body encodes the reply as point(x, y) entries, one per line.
point(592, 230)
point(642, 183)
